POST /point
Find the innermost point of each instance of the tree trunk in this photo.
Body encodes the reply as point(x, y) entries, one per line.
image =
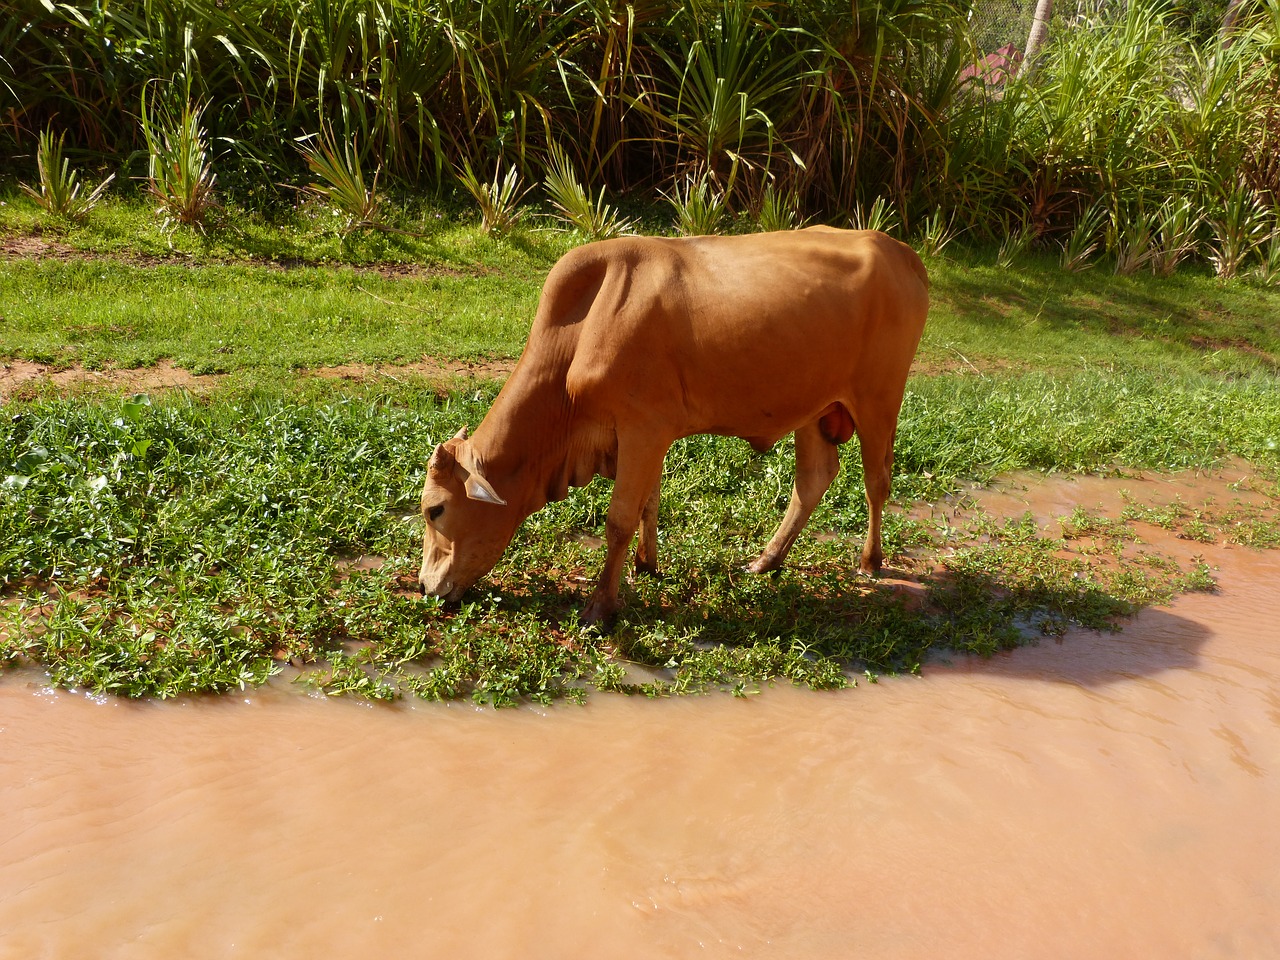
point(1039, 30)
point(1228, 24)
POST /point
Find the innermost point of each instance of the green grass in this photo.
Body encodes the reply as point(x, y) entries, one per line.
point(280, 295)
point(421, 232)
point(1037, 315)
point(265, 295)
point(220, 318)
point(154, 546)
point(163, 546)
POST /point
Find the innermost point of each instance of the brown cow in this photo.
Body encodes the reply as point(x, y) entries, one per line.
point(641, 341)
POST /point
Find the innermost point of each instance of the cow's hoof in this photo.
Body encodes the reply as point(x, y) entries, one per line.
point(764, 564)
point(597, 613)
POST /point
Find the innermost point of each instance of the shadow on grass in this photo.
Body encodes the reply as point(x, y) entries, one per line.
point(808, 623)
point(1191, 310)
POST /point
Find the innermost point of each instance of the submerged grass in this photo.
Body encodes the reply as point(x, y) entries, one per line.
point(159, 546)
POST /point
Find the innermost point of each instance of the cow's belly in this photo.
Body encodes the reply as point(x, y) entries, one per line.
point(761, 420)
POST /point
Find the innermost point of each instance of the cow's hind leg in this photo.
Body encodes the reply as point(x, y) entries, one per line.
point(647, 542)
point(877, 471)
point(638, 475)
point(817, 463)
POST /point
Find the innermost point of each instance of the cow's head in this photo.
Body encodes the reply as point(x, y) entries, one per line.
point(468, 524)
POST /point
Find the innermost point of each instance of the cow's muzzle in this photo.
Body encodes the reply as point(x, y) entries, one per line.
point(445, 590)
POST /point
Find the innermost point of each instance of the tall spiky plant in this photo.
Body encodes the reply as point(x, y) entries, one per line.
point(576, 207)
point(58, 191)
point(722, 96)
point(179, 166)
point(499, 199)
point(778, 210)
point(935, 234)
point(880, 216)
point(343, 183)
point(1133, 240)
point(1239, 227)
point(1268, 270)
point(1019, 235)
point(1177, 222)
point(1083, 240)
point(699, 207)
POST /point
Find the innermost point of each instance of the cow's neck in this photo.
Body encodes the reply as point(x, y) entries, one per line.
point(523, 442)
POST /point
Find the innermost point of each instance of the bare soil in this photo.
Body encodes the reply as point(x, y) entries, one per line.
point(25, 379)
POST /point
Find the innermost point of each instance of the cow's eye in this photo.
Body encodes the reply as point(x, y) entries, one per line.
point(434, 512)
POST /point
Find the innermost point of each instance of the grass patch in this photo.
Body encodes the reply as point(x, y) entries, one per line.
point(419, 232)
point(214, 319)
point(1037, 315)
point(158, 546)
point(263, 295)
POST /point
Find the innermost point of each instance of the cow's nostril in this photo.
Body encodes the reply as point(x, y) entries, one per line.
point(422, 588)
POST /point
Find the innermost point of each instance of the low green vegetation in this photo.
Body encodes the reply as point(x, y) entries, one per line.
point(175, 543)
point(219, 318)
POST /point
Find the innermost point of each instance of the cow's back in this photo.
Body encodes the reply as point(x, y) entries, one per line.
point(747, 336)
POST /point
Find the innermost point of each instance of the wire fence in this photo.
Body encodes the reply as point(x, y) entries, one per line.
point(996, 24)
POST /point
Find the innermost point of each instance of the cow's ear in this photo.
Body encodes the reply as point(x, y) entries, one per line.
point(461, 434)
point(478, 488)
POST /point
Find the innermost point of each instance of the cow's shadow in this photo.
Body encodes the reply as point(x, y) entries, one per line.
point(900, 622)
point(1154, 641)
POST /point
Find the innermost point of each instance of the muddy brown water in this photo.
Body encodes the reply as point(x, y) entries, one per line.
point(1101, 796)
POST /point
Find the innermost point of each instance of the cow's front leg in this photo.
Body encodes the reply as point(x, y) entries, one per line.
point(639, 473)
point(817, 463)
